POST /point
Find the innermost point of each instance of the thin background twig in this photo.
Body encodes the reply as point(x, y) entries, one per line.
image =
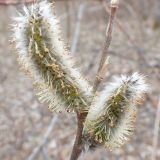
point(156, 131)
point(78, 27)
point(44, 139)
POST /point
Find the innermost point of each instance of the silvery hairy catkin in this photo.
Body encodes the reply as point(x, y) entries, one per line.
point(112, 114)
point(43, 54)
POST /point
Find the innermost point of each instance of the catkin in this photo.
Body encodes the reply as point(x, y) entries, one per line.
point(113, 112)
point(44, 55)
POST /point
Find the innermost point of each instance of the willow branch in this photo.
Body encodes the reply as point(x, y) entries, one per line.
point(78, 145)
point(103, 63)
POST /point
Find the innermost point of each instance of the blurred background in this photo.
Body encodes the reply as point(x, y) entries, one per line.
point(28, 131)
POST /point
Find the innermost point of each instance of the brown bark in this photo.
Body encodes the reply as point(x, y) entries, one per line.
point(78, 144)
point(106, 45)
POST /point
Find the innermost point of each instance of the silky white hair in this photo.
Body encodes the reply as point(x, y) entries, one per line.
point(51, 29)
point(131, 89)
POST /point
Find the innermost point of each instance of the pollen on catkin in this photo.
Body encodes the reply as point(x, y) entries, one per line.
point(112, 114)
point(44, 55)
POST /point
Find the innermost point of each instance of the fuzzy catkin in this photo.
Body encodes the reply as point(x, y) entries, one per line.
point(111, 118)
point(43, 54)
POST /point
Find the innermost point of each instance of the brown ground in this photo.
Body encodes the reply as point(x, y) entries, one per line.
point(24, 121)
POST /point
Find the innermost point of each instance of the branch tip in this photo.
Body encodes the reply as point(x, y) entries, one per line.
point(115, 3)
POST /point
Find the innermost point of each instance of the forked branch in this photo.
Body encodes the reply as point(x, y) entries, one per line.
point(78, 146)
